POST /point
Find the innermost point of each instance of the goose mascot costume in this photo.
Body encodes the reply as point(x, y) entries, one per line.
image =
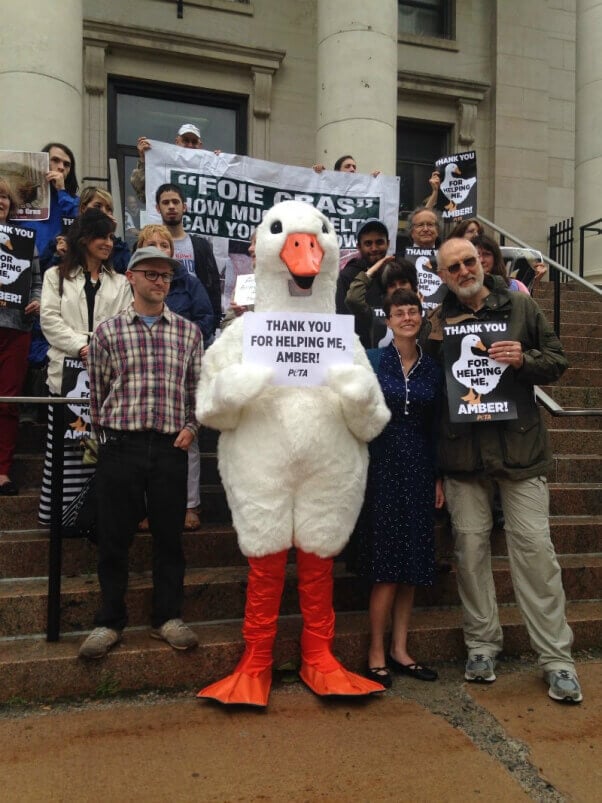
point(293, 460)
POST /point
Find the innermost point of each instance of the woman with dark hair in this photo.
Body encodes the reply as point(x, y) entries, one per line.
point(63, 194)
point(15, 337)
point(469, 229)
point(77, 295)
point(90, 198)
point(395, 530)
point(493, 263)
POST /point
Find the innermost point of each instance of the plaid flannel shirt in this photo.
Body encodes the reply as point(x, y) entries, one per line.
point(141, 378)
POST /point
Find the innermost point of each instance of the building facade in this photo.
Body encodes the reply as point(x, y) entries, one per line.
point(396, 84)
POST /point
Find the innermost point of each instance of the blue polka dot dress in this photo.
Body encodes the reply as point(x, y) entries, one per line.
point(396, 525)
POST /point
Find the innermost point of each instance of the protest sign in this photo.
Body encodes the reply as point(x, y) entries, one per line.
point(25, 173)
point(299, 347)
point(227, 196)
point(457, 197)
point(16, 255)
point(244, 291)
point(431, 287)
point(76, 384)
point(478, 387)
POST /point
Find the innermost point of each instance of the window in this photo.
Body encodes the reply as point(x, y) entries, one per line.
point(426, 18)
point(419, 145)
point(158, 110)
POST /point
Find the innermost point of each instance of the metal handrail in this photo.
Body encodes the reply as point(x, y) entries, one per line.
point(558, 269)
point(557, 410)
point(552, 262)
point(55, 547)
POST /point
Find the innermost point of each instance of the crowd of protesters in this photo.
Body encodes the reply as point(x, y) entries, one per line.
point(127, 317)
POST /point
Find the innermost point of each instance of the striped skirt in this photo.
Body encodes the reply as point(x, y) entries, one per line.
point(75, 474)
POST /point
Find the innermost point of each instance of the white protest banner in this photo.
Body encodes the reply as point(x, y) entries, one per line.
point(458, 190)
point(244, 291)
point(300, 347)
point(227, 196)
point(25, 173)
point(478, 387)
point(16, 256)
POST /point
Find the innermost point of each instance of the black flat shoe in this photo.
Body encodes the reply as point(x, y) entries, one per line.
point(374, 673)
point(8, 489)
point(417, 671)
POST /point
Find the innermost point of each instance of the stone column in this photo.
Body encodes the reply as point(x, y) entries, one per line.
point(357, 83)
point(41, 74)
point(588, 134)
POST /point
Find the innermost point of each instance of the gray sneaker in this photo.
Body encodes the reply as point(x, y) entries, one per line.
point(99, 642)
point(176, 634)
point(564, 686)
point(480, 669)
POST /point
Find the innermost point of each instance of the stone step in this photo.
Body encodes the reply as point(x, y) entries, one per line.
point(20, 512)
point(576, 468)
point(589, 345)
point(583, 396)
point(570, 314)
point(219, 593)
point(581, 377)
point(575, 499)
point(578, 359)
point(33, 669)
point(574, 422)
point(578, 329)
point(24, 553)
point(569, 306)
point(577, 441)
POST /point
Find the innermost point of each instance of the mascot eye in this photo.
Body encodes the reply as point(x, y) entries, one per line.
point(324, 228)
point(276, 227)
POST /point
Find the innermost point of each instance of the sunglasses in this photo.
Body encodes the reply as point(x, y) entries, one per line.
point(469, 263)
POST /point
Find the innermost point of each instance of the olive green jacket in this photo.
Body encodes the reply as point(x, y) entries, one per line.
point(516, 449)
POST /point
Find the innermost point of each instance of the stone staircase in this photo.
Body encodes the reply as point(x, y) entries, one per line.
point(216, 578)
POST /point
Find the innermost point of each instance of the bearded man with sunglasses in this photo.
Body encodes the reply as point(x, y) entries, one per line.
point(516, 455)
point(144, 367)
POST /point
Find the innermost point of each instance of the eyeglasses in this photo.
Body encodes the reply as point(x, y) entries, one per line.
point(152, 275)
point(424, 225)
point(469, 263)
point(413, 312)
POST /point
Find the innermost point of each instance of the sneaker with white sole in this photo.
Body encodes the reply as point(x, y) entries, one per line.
point(176, 634)
point(564, 686)
point(480, 669)
point(99, 642)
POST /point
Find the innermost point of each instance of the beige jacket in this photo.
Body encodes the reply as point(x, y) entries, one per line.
point(64, 319)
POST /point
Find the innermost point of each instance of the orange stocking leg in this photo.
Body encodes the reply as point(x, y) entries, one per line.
point(320, 670)
point(250, 682)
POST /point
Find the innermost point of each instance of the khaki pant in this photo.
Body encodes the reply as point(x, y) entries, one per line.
point(535, 571)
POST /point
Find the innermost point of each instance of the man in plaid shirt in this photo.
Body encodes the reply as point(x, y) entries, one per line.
point(144, 366)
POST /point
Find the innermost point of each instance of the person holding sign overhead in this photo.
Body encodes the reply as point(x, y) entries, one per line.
point(15, 335)
point(478, 446)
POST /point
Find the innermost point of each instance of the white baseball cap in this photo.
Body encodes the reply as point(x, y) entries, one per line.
point(189, 128)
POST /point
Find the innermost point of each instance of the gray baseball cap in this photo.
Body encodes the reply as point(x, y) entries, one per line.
point(148, 253)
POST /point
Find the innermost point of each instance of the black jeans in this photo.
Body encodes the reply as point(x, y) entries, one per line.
point(138, 474)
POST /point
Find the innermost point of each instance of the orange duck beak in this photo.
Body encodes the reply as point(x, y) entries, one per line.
point(302, 254)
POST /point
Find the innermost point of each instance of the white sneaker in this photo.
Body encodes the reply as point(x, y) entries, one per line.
point(99, 642)
point(480, 669)
point(564, 686)
point(176, 634)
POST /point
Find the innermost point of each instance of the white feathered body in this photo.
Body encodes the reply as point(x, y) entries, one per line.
point(293, 461)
